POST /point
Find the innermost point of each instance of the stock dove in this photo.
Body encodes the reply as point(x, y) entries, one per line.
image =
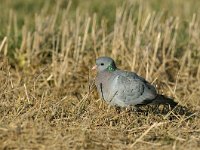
point(124, 89)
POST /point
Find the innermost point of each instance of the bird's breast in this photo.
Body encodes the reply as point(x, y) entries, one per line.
point(103, 82)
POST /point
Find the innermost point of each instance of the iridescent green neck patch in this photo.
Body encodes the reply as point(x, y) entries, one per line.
point(111, 68)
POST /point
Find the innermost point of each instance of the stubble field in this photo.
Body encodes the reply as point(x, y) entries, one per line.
point(47, 93)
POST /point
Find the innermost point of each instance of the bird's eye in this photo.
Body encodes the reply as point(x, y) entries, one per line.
point(102, 64)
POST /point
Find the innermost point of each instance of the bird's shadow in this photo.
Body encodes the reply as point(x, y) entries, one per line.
point(164, 110)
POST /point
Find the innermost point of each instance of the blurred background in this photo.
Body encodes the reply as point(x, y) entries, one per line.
point(16, 14)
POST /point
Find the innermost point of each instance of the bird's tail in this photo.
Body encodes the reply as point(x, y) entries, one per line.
point(161, 99)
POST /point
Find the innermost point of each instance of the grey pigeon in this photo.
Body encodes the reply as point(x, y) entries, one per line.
point(124, 89)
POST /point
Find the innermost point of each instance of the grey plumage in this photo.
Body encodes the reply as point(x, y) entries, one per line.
point(123, 88)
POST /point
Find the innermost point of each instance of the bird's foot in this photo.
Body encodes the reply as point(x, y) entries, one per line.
point(117, 109)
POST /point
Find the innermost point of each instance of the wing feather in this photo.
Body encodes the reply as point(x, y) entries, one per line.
point(130, 89)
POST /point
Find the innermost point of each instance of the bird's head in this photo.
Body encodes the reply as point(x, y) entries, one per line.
point(105, 64)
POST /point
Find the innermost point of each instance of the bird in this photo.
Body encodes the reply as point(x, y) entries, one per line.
point(124, 88)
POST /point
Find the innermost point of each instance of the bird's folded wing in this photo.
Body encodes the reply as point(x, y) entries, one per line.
point(132, 89)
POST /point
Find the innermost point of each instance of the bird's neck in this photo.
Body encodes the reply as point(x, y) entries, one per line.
point(111, 68)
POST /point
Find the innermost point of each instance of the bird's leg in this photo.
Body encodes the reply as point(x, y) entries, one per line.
point(166, 109)
point(117, 109)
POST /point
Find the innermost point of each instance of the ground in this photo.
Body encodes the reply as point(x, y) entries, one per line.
point(47, 92)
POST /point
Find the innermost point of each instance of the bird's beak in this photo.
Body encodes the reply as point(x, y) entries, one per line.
point(94, 67)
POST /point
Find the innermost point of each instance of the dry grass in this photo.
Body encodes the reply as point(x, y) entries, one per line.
point(48, 100)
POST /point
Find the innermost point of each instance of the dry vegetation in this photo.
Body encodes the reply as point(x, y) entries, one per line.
point(48, 100)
